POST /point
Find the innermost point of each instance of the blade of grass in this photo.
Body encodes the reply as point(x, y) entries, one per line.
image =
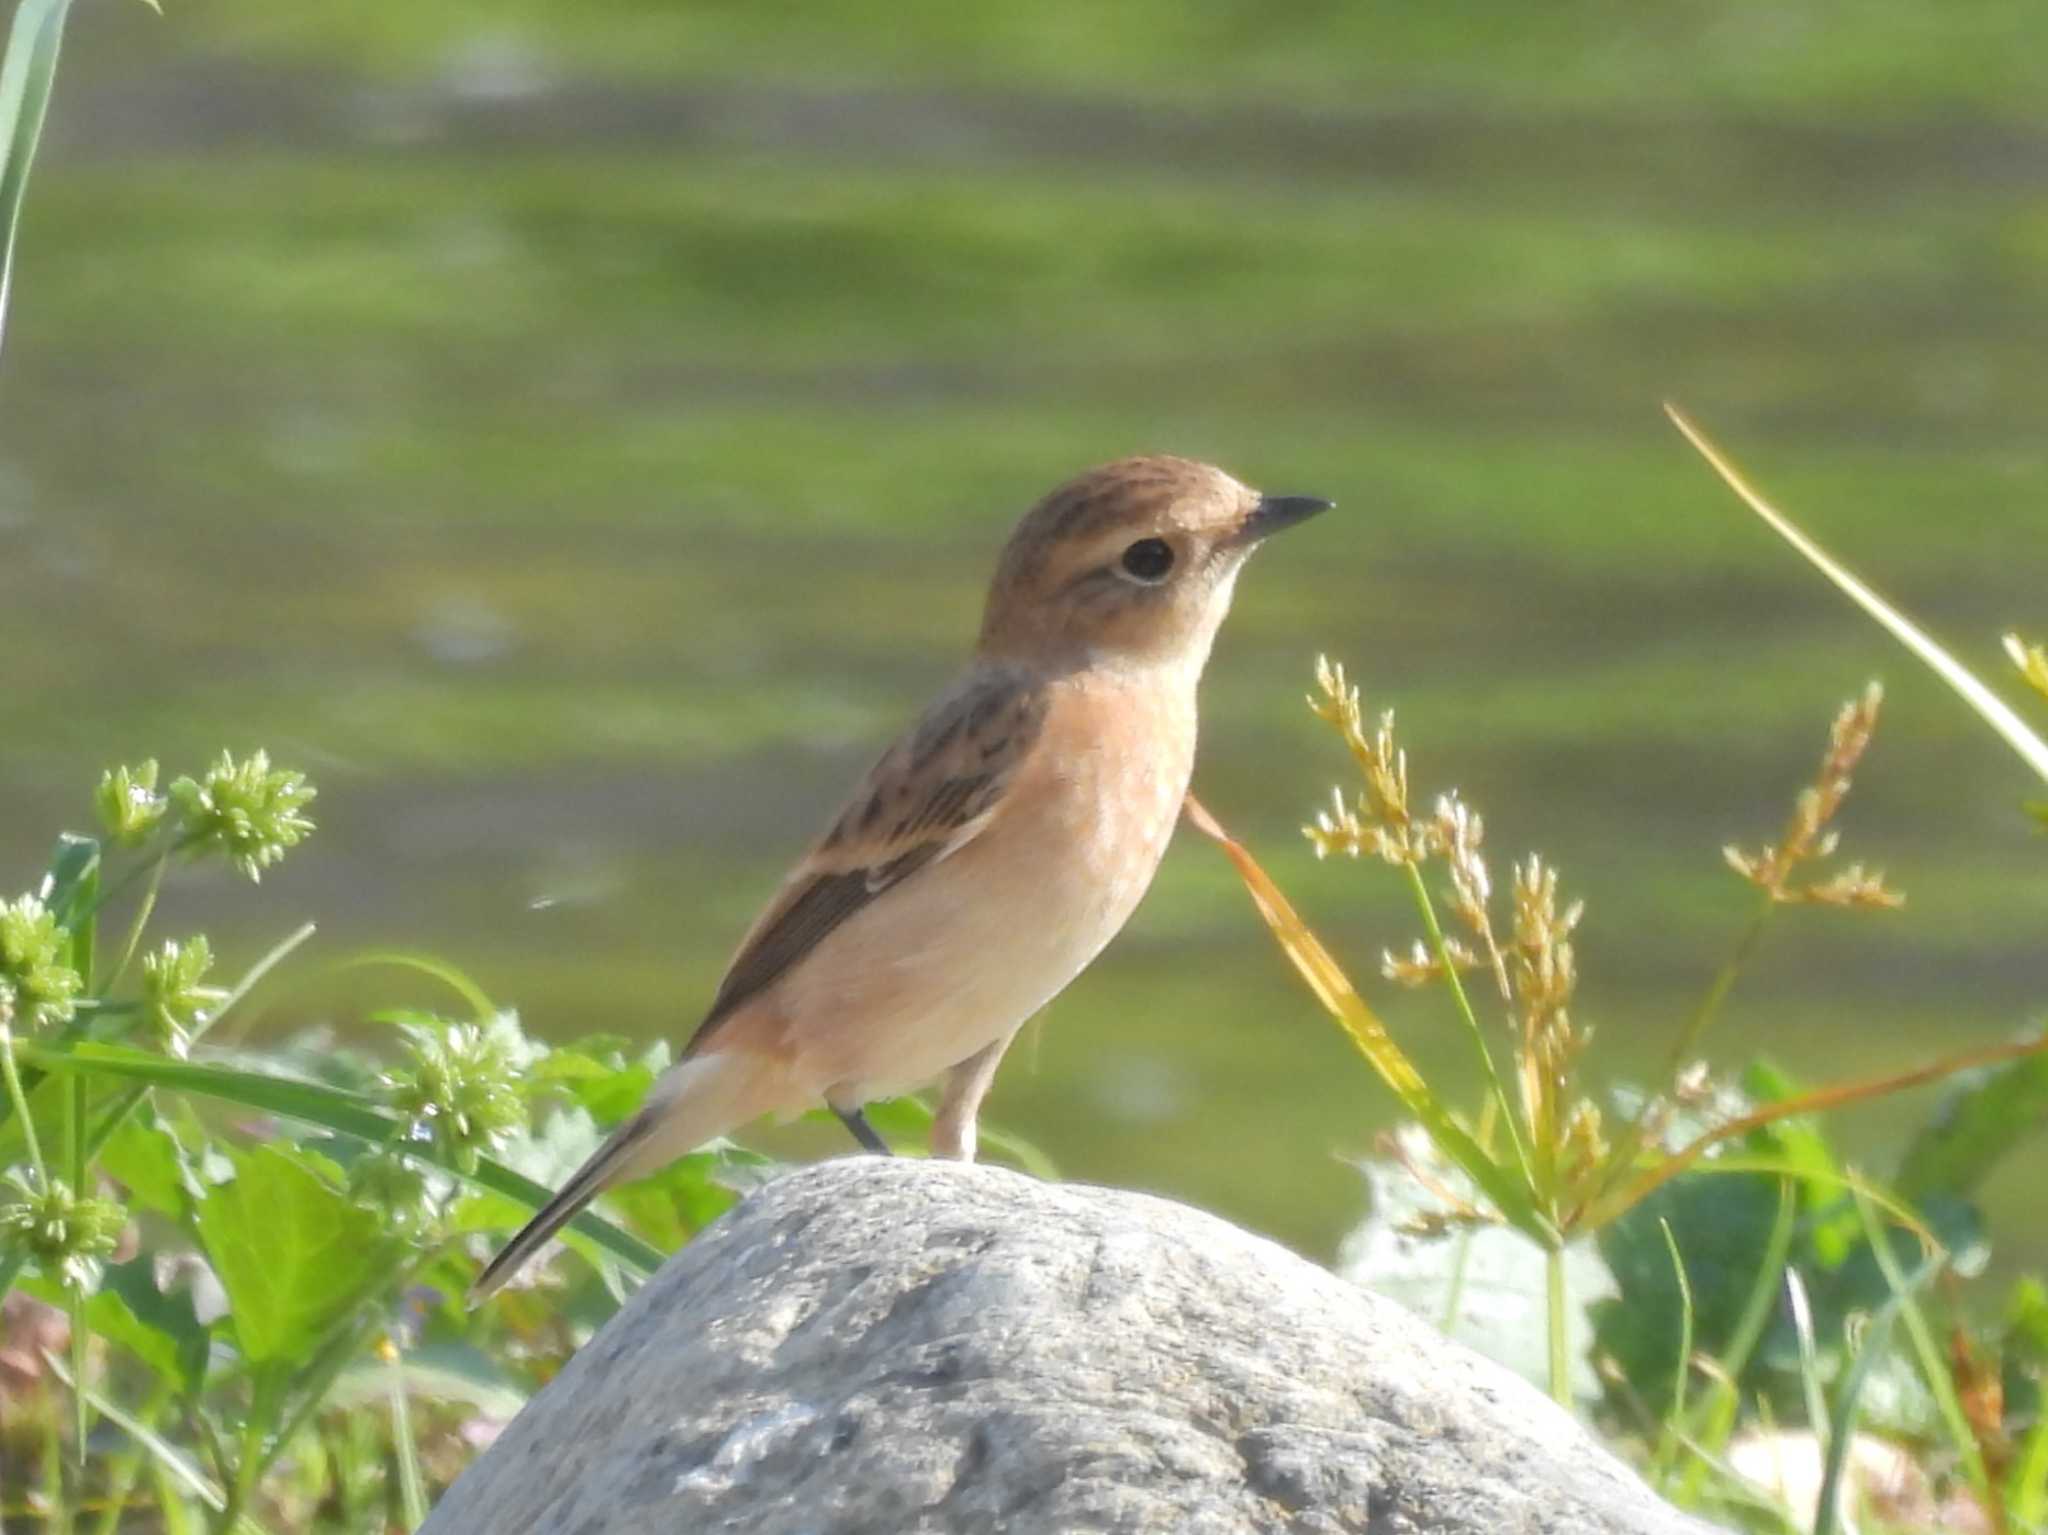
point(329, 1108)
point(1992, 709)
point(2029, 1477)
point(278, 953)
point(1496, 1088)
point(1454, 1290)
point(125, 1472)
point(1876, 1341)
point(1712, 1417)
point(1557, 1321)
point(176, 1513)
point(412, 1487)
point(166, 1455)
point(1334, 990)
point(1756, 1310)
point(1668, 1441)
point(1809, 1354)
point(1630, 1142)
point(315, 1383)
point(434, 969)
point(1933, 1367)
point(1736, 1491)
point(25, 79)
point(56, 1509)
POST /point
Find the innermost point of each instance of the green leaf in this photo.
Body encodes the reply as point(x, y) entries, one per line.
point(2029, 1480)
point(2026, 1318)
point(49, 1101)
point(294, 1254)
point(71, 887)
point(1725, 1226)
point(145, 1158)
point(1982, 1117)
point(676, 1203)
point(1833, 1229)
point(25, 78)
point(1798, 1140)
point(608, 1091)
point(162, 1329)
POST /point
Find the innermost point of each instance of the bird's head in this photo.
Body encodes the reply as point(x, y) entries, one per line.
point(1132, 562)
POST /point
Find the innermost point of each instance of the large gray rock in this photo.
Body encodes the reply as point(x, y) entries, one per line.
point(898, 1346)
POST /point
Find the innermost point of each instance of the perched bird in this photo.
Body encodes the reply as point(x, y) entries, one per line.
point(994, 849)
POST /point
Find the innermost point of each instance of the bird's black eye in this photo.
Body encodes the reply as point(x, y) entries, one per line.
point(1148, 560)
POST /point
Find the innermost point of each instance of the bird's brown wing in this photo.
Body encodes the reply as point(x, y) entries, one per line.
point(931, 794)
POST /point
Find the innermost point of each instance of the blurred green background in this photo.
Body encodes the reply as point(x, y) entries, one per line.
point(579, 435)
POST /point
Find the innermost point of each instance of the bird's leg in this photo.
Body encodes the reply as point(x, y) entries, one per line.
point(856, 1121)
point(966, 1085)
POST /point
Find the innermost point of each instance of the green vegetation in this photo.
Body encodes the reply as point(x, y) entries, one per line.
point(1528, 1215)
point(225, 1301)
point(583, 515)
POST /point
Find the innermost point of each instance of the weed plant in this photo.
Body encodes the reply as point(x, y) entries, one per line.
point(1740, 1287)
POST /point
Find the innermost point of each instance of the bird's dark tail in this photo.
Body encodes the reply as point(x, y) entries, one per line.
point(589, 1181)
point(696, 1099)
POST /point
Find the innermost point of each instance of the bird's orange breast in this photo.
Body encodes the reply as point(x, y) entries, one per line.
point(964, 953)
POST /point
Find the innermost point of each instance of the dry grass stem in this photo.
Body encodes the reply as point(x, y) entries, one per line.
point(1810, 838)
point(1460, 833)
point(1990, 708)
point(1380, 825)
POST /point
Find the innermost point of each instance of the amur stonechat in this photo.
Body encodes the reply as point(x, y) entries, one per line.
point(993, 850)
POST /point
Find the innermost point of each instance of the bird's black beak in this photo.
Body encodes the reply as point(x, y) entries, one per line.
point(1276, 512)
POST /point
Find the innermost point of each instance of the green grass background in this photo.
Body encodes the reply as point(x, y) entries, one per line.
point(579, 437)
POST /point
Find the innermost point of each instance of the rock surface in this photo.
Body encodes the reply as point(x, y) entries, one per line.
point(897, 1346)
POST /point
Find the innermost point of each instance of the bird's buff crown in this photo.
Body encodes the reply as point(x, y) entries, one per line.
point(1131, 561)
